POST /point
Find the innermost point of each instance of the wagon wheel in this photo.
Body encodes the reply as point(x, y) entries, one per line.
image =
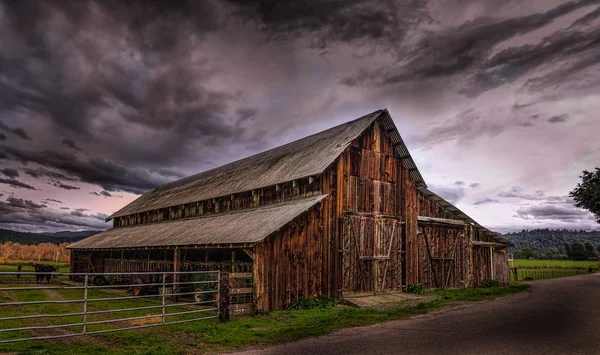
point(138, 289)
point(99, 280)
point(199, 296)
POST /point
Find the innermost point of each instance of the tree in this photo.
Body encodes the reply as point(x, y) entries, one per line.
point(587, 192)
point(589, 249)
point(578, 252)
point(598, 248)
point(527, 253)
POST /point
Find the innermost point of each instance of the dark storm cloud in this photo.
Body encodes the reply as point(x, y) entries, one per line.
point(2, 136)
point(71, 144)
point(110, 175)
point(558, 119)
point(134, 64)
point(102, 193)
point(564, 213)
point(9, 172)
point(465, 126)
point(486, 201)
point(38, 173)
point(517, 192)
point(16, 184)
point(333, 20)
point(51, 200)
point(61, 185)
point(24, 204)
point(466, 50)
point(20, 132)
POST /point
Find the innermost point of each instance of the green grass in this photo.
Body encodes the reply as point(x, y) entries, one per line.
point(554, 263)
point(212, 336)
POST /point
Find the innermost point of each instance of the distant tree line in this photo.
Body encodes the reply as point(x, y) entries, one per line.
point(551, 241)
point(9, 252)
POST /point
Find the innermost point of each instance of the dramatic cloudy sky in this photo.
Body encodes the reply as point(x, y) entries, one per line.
point(498, 100)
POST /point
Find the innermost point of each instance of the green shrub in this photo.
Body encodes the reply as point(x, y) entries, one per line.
point(489, 283)
point(322, 302)
point(417, 289)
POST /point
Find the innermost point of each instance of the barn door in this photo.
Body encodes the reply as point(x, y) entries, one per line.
point(441, 251)
point(372, 254)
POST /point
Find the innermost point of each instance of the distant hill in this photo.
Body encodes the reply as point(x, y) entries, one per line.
point(69, 234)
point(544, 240)
point(36, 238)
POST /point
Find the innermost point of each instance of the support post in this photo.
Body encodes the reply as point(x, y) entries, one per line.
point(176, 270)
point(224, 297)
point(85, 302)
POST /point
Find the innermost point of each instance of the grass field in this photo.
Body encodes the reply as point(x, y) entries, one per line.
point(554, 263)
point(212, 336)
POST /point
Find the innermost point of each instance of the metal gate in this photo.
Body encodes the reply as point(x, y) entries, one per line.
point(372, 254)
point(47, 305)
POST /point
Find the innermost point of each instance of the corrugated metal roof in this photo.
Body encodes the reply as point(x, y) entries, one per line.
point(463, 216)
point(306, 157)
point(245, 226)
point(300, 159)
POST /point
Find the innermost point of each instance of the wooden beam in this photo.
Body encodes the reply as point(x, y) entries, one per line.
point(249, 253)
point(487, 244)
point(372, 215)
point(434, 220)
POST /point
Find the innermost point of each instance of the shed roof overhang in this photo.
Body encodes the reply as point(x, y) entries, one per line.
point(234, 229)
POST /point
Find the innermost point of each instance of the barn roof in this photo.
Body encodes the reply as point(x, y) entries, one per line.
point(303, 158)
point(460, 214)
point(239, 227)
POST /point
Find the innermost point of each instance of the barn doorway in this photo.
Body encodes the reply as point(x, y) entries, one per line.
point(372, 254)
point(446, 252)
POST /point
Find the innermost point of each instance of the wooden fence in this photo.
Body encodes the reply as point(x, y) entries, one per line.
point(526, 274)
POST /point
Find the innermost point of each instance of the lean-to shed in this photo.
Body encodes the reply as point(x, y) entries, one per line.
point(341, 212)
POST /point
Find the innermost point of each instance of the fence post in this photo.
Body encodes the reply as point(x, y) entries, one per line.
point(164, 292)
point(85, 300)
point(224, 297)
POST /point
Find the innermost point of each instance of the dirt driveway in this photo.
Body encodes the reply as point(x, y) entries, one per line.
point(560, 316)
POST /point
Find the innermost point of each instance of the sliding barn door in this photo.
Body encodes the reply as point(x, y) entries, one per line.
point(372, 254)
point(446, 258)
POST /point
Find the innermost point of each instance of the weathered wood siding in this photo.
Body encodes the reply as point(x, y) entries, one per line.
point(248, 199)
point(447, 263)
point(415, 246)
point(502, 271)
point(482, 267)
point(370, 228)
point(292, 263)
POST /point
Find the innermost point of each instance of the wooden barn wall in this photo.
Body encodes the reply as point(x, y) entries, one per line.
point(430, 208)
point(501, 271)
point(415, 247)
point(369, 231)
point(481, 264)
point(481, 236)
point(276, 193)
point(448, 257)
point(292, 263)
point(372, 254)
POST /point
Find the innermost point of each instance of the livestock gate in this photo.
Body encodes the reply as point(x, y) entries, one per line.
point(65, 305)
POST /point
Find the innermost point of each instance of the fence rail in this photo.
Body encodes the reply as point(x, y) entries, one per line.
point(537, 273)
point(51, 309)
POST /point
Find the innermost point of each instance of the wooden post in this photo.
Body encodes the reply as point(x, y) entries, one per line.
point(176, 269)
point(224, 297)
point(491, 262)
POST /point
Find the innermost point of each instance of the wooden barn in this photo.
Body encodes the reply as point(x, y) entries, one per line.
point(341, 212)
